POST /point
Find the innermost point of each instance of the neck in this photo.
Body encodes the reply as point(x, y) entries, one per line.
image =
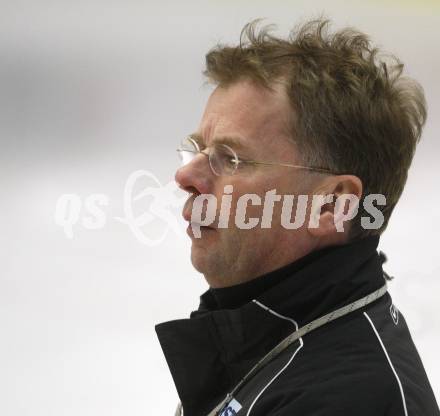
point(234, 296)
point(258, 264)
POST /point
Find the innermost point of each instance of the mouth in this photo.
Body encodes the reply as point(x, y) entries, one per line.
point(201, 230)
point(186, 214)
point(187, 209)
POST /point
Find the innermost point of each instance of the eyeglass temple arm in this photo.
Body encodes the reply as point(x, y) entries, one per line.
point(252, 162)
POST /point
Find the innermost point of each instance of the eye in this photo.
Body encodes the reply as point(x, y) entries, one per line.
point(228, 156)
point(224, 159)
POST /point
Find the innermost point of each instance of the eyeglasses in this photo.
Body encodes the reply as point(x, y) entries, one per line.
point(224, 161)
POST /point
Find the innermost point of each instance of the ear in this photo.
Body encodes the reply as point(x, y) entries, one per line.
point(334, 202)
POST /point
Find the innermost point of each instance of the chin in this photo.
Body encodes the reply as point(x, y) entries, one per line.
point(199, 259)
point(204, 262)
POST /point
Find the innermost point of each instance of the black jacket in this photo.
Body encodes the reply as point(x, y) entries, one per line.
point(364, 363)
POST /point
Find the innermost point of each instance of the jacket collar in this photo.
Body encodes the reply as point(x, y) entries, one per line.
point(236, 296)
point(208, 353)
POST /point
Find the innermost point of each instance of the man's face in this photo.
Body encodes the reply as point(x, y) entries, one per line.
point(258, 120)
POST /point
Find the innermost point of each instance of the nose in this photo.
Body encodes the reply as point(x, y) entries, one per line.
point(196, 176)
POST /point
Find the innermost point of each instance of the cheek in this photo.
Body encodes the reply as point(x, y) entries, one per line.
point(247, 209)
point(252, 190)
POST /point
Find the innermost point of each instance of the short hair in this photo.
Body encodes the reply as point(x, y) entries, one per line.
point(353, 111)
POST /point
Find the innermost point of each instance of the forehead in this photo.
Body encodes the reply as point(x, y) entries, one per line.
point(248, 113)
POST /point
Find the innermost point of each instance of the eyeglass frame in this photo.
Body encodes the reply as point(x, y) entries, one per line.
point(238, 161)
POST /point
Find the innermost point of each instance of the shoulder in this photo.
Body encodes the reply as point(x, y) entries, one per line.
point(365, 364)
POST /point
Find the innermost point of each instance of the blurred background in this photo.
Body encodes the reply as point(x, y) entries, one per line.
point(92, 91)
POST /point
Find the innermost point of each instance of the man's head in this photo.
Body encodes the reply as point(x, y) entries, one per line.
point(316, 100)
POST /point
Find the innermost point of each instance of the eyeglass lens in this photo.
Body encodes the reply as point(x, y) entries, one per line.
point(222, 159)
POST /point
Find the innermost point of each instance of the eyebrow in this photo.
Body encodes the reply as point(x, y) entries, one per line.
point(231, 141)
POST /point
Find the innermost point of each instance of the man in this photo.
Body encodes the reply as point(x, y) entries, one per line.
point(319, 115)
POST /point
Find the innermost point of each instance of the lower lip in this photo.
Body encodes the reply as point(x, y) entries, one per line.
point(203, 230)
